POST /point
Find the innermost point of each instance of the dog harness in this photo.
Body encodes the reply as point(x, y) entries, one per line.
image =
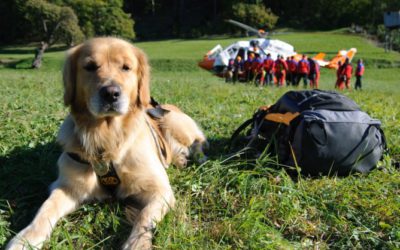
point(109, 180)
point(106, 173)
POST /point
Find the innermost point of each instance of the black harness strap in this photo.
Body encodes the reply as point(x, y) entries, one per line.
point(77, 158)
point(109, 181)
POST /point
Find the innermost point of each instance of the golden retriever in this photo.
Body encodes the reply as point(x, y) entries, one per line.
point(109, 128)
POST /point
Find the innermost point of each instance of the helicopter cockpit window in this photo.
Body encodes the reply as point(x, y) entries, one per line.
point(232, 52)
point(242, 53)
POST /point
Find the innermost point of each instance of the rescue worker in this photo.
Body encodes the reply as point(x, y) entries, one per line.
point(339, 77)
point(313, 75)
point(247, 66)
point(280, 71)
point(292, 71)
point(260, 77)
point(268, 68)
point(229, 71)
point(238, 69)
point(359, 73)
point(303, 68)
point(255, 66)
point(348, 71)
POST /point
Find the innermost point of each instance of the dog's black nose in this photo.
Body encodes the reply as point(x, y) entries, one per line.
point(110, 93)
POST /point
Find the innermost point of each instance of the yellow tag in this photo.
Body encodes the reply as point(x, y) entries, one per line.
point(108, 181)
point(282, 118)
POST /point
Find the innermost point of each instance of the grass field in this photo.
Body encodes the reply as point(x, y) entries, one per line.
point(225, 203)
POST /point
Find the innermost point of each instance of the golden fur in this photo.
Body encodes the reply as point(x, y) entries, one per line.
point(106, 83)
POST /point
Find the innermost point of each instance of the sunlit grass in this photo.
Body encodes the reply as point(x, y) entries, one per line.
point(222, 204)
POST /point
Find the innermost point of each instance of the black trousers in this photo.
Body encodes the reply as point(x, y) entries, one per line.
point(305, 80)
point(358, 82)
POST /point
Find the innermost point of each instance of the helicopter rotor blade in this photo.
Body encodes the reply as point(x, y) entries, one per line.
point(247, 28)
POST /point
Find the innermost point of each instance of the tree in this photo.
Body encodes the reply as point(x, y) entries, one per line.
point(255, 15)
point(103, 18)
point(52, 23)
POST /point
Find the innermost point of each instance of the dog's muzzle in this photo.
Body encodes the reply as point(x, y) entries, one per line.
point(109, 100)
point(110, 94)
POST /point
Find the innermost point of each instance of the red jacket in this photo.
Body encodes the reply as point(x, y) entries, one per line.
point(255, 64)
point(280, 65)
point(303, 67)
point(339, 71)
point(268, 64)
point(348, 70)
point(292, 65)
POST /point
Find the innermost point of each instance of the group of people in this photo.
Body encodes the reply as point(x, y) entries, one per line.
point(344, 73)
point(273, 72)
point(268, 72)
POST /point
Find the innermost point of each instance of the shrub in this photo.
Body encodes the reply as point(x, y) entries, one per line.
point(255, 15)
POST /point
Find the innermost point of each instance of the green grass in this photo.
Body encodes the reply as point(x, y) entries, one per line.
point(226, 203)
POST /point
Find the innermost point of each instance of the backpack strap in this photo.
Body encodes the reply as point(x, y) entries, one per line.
point(256, 120)
point(263, 113)
point(240, 129)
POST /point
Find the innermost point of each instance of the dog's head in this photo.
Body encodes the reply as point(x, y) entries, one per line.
point(106, 77)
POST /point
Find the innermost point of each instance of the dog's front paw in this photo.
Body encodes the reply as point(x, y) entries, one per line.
point(15, 244)
point(140, 241)
point(26, 239)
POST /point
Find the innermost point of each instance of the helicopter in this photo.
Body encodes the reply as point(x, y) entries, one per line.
point(217, 59)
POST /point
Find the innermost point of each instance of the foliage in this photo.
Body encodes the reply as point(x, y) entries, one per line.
point(393, 37)
point(183, 18)
point(51, 22)
point(327, 14)
point(255, 15)
point(226, 203)
point(103, 18)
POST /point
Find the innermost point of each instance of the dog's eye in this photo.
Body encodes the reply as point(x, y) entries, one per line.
point(91, 66)
point(126, 67)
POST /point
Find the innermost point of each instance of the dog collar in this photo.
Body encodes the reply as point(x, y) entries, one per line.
point(105, 172)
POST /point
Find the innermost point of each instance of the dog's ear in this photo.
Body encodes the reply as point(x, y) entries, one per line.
point(143, 72)
point(69, 75)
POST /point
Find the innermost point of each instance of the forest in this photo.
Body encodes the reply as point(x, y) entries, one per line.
point(73, 20)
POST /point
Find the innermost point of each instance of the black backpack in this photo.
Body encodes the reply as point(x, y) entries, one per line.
point(322, 132)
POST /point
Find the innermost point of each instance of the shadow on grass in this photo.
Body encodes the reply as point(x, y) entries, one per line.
point(26, 175)
point(25, 63)
point(218, 148)
point(28, 51)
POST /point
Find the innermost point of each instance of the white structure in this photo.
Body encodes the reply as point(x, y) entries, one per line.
point(241, 48)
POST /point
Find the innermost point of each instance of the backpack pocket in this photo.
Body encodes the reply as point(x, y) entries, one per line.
point(335, 142)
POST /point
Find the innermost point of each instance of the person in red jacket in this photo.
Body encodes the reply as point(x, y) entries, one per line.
point(268, 68)
point(280, 71)
point(313, 75)
point(255, 68)
point(359, 73)
point(348, 71)
point(247, 66)
point(339, 77)
point(292, 71)
point(303, 68)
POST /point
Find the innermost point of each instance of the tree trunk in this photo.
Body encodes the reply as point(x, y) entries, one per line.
point(37, 62)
